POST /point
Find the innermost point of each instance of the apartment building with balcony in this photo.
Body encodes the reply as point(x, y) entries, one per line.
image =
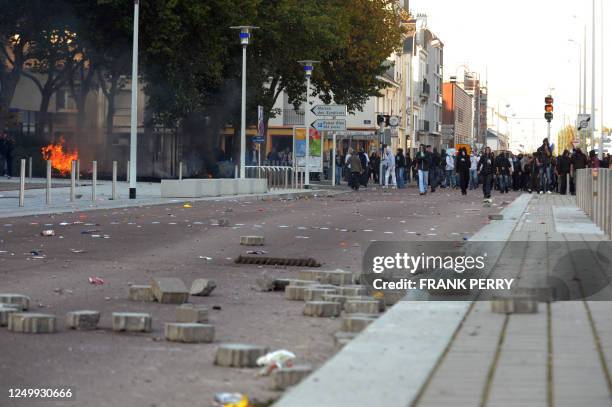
point(457, 123)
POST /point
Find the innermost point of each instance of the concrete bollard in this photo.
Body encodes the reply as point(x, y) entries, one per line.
point(323, 309)
point(72, 181)
point(22, 183)
point(192, 313)
point(82, 320)
point(316, 293)
point(48, 191)
point(169, 290)
point(141, 293)
point(180, 177)
point(5, 313)
point(239, 355)
point(294, 293)
point(356, 323)
point(202, 287)
point(252, 240)
point(127, 172)
point(94, 180)
point(19, 300)
point(289, 376)
point(31, 323)
point(361, 307)
point(189, 332)
point(114, 186)
point(131, 322)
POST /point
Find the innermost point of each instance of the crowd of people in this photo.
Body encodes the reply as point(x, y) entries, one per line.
point(541, 172)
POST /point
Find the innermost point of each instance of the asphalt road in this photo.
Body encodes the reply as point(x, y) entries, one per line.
point(110, 369)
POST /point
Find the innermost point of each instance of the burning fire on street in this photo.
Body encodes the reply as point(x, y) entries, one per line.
point(61, 158)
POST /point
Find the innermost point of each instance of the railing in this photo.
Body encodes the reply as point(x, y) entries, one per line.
point(594, 196)
point(279, 177)
point(293, 117)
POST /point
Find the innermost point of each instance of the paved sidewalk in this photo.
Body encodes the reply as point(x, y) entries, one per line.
point(147, 194)
point(461, 354)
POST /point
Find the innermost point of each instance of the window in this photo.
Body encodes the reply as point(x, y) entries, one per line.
point(64, 100)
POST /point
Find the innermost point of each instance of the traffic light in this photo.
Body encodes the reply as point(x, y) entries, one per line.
point(548, 108)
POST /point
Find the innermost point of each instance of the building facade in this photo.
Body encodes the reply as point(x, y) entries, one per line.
point(457, 123)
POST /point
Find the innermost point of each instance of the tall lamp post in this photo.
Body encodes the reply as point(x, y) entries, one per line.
point(579, 73)
point(134, 107)
point(308, 67)
point(245, 34)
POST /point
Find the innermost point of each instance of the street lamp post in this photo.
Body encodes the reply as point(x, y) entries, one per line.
point(579, 73)
point(134, 107)
point(308, 67)
point(593, 80)
point(245, 34)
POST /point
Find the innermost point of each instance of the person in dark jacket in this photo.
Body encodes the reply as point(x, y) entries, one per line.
point(564, 168)
point(434, 170)
point(517, 172)
point(463, 169)
point(486, 169)
point(502, 169)
point(375, 166)
point(579, 161)
point(400, 167)
point(423, 162)
point(365, 166)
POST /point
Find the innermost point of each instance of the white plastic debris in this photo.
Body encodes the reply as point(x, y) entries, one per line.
point(275, 360)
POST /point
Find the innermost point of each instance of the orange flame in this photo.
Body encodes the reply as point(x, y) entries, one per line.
point(60, 160)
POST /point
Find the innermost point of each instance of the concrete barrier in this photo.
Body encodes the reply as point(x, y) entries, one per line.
point(594, 196)
point(199, 188)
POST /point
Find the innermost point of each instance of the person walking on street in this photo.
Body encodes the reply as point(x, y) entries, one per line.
point(390, 165)
point(6, 148)
point(339, 165)
point(423, 162)
point(564, 168)
point(408, 169)
point(449, 180)
point(375, 167)
point(579, 162)
point(473, 171)
point(503, 170)
point(463, 169)
point(400, 167)
point(365, 164)
point(434, 169)
point(354, 165)
point(544, 170)
point(486, 169)
point(594, 160)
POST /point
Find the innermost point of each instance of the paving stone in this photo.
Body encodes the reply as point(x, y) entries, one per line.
point(141, 293)
point(352, 290)
point(514, 305)
point(202, 287)
point(289, 376)
point(342, 338)
point(381, 301)
point(325, 309)
point(131, 322)
point(31, 323)
point(356, 323)
point(316, 294)
point(189, 332)
point(22, 300)
point(4, 314)
point(496, 216)
point(239, 355)
point(252, 240)
point(340, 277)
point(192, 313)
point(340, 299)
point(361, 306)
point(295, 293)
point(169, 290)
point(336, 277)
point(83, 320)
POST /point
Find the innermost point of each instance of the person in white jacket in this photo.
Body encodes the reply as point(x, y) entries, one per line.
point(390, 165)
point(474, 171)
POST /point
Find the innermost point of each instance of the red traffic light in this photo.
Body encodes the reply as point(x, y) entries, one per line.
point(549, 100)
point(548, 108)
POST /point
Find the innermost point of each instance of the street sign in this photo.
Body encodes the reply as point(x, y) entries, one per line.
point(329, 110)
point(583, 122)
point(258, 139)
point(393, 121)
point(329, 124)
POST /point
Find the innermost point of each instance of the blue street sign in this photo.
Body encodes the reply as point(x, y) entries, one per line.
point(258, 139)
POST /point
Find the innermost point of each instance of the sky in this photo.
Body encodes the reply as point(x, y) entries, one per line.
point(521, 47)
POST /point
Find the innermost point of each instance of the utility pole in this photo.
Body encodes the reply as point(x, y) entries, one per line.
point(593, 81)
point(134, 107)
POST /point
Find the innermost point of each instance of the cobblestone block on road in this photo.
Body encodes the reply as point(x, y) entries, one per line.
point(340, 299)
point(32, 323)
point(342, 338)
point(252, 240)
point(131, 322)
point(381, 301)
point(295, 293)
point(239, 355)
point(356, 322)
point(192, 313)
point(341, 277)
point(352, 290)
point(335, 277)
point(324, 309)
point(316, 294)
point(83, 320)
point(4, 314)
point(169, 290)
point(362, 306)
point(141, 293)
point(22, 300)
point(289, 376)
point(189, 332)
point(300, 282)
point(514, 305)
point(202, 287)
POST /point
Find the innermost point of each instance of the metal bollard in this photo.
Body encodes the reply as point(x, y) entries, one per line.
point(286, 178)
point(22, 182)
point(180, 171)
point(94, 180)
point(72, 181)
point(236, 171)
point(114, 186)
point(78, 171)
point(30, 168)
point(127, 172)
point(48, 192)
